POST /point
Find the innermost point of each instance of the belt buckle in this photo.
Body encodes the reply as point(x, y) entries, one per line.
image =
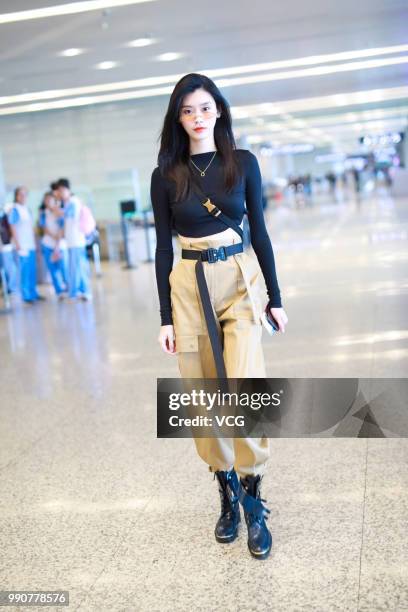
point(212, 255)
point(222, 254)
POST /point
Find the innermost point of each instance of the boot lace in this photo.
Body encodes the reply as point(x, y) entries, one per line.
point(259, 518)
point(227, 495)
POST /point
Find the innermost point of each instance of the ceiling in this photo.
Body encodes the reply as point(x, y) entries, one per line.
point(306, 98)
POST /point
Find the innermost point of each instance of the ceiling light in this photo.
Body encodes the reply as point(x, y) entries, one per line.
point(341, 119)
point(240, 114)
point(255, 139)
point(300, 123)
point(301, 105)
point(85, 100)
point(169, 57)
point(71, 52)
point(106, 65)
point(87, 89)
point(141, 42)
point(309, 60)
point(315, 71)
point(66, 9)
point(171, 79)
point(297, 105)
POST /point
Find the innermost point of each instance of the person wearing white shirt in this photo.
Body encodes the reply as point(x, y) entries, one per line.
point(78, 265)
point(22, 230)
point(8, 255)
point(53, 245)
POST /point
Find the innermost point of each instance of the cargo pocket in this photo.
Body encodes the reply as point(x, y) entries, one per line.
point(257, 304)
point(246, 323)
point(252, 271)
point(186, 344)
point(173, 271)
point(189, 359)
point(248, 305)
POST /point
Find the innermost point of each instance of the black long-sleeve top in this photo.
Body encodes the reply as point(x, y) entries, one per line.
point(193, 220)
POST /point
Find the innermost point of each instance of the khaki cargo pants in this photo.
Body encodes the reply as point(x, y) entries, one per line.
point(234, 290)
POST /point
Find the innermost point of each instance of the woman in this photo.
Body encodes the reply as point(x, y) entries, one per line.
point(198, 158)
point(52, 243)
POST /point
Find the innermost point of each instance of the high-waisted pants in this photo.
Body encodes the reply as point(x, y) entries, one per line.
point(234, 291)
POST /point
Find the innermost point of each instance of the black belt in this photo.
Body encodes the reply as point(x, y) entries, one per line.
point(211, 255)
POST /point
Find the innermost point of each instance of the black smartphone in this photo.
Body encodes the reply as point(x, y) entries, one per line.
point(269, 322)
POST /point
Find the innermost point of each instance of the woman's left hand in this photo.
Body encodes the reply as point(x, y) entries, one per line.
point(280, 317)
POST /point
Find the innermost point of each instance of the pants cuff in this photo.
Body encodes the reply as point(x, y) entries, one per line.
point(213, 469)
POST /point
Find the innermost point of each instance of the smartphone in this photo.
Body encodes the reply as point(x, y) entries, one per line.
point(269, 323)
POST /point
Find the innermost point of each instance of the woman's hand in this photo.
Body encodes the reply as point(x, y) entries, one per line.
point(167, 340)
point(56, 255)
point(48, 232)
point(280, 317)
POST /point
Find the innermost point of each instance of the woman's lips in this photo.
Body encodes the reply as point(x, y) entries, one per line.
point(199, 129)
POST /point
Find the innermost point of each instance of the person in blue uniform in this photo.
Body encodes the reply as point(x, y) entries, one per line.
point(53, 244)
point(8, 257)
point(22, 229)
point(79, 286)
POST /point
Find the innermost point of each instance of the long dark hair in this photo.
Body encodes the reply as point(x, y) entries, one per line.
point(174, 150)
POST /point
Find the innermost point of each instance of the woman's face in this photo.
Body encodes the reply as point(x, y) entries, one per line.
point(50, 202)
point(198, 114)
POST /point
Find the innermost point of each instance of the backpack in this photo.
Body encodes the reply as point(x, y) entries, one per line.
point(87, 223)
point(5, 231)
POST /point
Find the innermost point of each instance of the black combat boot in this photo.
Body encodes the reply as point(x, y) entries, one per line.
point(259, 536)
point(226, 529)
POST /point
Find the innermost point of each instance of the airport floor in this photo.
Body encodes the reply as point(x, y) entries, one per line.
point(92, 502)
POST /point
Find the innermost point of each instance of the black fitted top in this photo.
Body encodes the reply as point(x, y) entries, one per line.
point(191, 219)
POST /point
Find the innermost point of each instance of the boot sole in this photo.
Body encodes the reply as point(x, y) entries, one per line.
point(262, 555)
point(228, 539)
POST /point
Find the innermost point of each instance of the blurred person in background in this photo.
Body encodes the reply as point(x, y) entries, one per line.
point(22, 231)
point(357, 181)
point(53, 245)
point(332, 180)
point(78, 265)
point(7, 252)
point(55, 192)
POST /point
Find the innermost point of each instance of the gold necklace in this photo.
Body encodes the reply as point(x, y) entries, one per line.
point(202, 172)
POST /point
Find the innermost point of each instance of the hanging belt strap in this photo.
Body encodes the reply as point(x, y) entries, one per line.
point(212, 255)
point(216, 344)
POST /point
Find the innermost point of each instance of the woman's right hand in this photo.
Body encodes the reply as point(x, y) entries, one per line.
point(167, 339)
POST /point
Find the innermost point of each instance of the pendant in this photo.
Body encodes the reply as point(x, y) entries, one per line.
point(202, 173)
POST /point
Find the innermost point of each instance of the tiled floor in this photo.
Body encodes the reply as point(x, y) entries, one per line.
point(92, 502)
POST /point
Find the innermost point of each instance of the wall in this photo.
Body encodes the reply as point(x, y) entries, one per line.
point(97, 146)
point(94, 146)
